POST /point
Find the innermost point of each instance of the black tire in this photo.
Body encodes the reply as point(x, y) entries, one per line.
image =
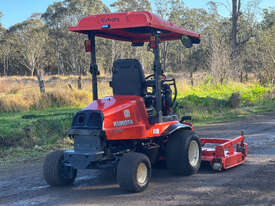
point(127, 172)
point(177, 153)
point(55, 172)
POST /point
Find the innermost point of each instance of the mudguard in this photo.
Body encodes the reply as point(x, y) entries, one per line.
point(174, 127)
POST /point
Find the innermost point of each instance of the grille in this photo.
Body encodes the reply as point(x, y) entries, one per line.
point(79, 120)
point(88, 119)
point(95, 120)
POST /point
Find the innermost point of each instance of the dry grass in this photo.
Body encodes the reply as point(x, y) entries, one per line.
point(22, 93)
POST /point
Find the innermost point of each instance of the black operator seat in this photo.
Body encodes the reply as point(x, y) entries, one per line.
point(128, 78)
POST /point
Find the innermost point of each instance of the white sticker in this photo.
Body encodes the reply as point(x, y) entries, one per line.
point(155, 131)
point(126, 113)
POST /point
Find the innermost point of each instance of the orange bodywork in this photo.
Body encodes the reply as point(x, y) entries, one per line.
point(125, 117)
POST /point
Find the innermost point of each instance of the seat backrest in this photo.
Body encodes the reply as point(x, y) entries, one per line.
point(128, 78)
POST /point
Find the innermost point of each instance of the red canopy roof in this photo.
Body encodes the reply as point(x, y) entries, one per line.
point(132, 26)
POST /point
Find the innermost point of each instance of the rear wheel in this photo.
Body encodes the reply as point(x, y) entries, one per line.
point(134, 172)
point(183, 152)
point(55, 172)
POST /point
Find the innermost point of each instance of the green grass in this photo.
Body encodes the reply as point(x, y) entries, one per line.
point(250, 92)
point(26, 135)
point(210, 102)
point(13, 155)
point(27, 129)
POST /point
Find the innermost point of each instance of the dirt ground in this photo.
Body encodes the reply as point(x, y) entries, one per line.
point(250, 184)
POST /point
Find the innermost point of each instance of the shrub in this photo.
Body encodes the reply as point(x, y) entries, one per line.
point(235, 100)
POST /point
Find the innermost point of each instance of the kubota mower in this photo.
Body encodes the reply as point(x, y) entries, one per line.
point(135, 128)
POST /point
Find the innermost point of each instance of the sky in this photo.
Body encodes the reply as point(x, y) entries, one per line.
point(15, 11)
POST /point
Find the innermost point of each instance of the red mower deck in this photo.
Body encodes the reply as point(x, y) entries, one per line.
point(227, 153)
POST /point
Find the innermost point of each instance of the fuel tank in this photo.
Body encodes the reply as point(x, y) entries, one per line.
point(125, 116)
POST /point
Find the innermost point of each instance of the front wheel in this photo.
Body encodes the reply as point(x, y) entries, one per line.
point(134, 172)
point(55, 172)
point(183, 152)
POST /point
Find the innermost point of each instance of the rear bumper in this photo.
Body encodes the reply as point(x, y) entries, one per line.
point(82, 160)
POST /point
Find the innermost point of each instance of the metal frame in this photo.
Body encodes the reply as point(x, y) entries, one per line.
point(157, 72)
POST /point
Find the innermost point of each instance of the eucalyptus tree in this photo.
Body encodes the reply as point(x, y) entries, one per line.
point(244, 28)
point(179, 58)
point(261, 49)
point(216, 43)
point(132, 5)
point(269, 18)
point(2, 29)
point(163, 8)
point(3, 50)
point(69, 51)
point(5, 53)
point(124, 50)
point(79, 61)
point(30, 39)
point(56, 21)
point(236, 13)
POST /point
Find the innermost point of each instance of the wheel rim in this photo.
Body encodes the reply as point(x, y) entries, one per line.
point(142, 173)
point(193, 153)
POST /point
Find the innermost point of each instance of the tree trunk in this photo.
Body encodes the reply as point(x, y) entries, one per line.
point(241, 76)
point(191, 78)
point(7, 66)
point(260, 78)
point(165, 52)
point(142, 57)
point(236, 4)
point(41, 84)
point(221, 80)
point(79, 82)
point(246, 76)
point(113, 55)
point(4, 67)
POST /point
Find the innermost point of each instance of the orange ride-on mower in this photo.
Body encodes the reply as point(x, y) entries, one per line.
point(135, 128)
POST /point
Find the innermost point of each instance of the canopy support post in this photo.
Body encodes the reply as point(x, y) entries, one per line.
point(157, 73)
point(93, 66)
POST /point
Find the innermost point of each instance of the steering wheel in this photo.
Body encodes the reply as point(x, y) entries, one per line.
point(171, 82)
point(163, 76)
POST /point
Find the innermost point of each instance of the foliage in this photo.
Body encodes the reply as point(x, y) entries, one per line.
point(2, 30)
point(27, 129)
point(208, 101)
point(52, 49)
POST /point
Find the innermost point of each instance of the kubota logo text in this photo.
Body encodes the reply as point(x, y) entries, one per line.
point(106, 20)
point(123, 123)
